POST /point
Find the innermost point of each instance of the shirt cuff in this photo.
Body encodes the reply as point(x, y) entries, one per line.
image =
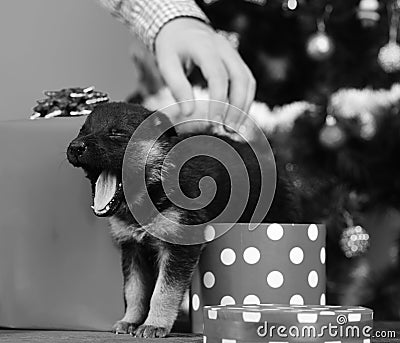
point(153, 15)
point(145, 18)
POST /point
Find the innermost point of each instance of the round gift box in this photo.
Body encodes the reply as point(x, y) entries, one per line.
point(287, 323)
point(264, 263)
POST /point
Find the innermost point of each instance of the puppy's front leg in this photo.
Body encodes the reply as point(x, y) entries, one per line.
point(176, 267)
point(138, 286)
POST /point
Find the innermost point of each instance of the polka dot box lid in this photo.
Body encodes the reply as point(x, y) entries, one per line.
point(239, 323)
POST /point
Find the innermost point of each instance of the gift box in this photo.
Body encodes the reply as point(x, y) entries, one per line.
point(280, 323)
point(58, 266)
point(265, 263)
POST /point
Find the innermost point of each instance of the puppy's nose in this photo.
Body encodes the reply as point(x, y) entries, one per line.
point(77, 148)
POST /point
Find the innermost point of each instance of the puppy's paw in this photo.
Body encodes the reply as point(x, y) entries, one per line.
point(150, 331)
point(122, 327)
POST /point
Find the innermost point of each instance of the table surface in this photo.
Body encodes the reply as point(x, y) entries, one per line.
point(37, 336)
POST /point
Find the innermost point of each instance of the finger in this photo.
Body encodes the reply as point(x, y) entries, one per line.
point(239, 83)
point(172, 71)
point(251, 92)
point(216, 75)
point(242, 85)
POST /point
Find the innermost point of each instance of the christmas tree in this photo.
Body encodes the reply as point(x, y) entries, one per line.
point(342, 156)
point(308, 49)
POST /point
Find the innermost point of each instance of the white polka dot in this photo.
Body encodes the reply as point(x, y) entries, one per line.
point(253, 317)
point(275, 279)
point(227, 300)
point(251, 255)
point(228, 257)
point(322, 300)
point(275, 232)
point(296, 255)
point(313, 232)
point(209, 233)
point(296, 299)
point(354, 317)
point(313, 279)
point(304, 318)
point(251, 299)
point(322, 255)
point(195, 302)
point(212, 314)
point(209, 279)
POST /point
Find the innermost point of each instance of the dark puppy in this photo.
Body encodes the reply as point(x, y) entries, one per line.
point(157, 273)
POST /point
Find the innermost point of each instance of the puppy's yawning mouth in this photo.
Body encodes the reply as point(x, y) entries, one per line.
point(107, 195)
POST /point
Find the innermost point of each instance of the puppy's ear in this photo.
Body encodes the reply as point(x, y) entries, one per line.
point(162, 123)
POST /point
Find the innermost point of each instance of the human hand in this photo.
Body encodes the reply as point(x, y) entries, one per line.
point(183, 41)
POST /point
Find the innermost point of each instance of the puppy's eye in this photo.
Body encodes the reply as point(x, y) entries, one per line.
point(118, 135)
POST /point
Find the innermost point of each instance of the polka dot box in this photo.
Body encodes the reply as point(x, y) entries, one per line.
point(271, 263)
point(287, 323)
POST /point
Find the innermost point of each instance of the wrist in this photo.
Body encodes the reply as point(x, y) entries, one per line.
point(170, 12)
point(172, 31)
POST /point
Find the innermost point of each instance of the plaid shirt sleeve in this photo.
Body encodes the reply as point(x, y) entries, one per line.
point(145, 18)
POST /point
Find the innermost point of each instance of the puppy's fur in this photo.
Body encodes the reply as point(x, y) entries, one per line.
point(157, 273)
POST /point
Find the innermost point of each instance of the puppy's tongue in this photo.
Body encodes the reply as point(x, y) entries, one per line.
point(106, 186)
